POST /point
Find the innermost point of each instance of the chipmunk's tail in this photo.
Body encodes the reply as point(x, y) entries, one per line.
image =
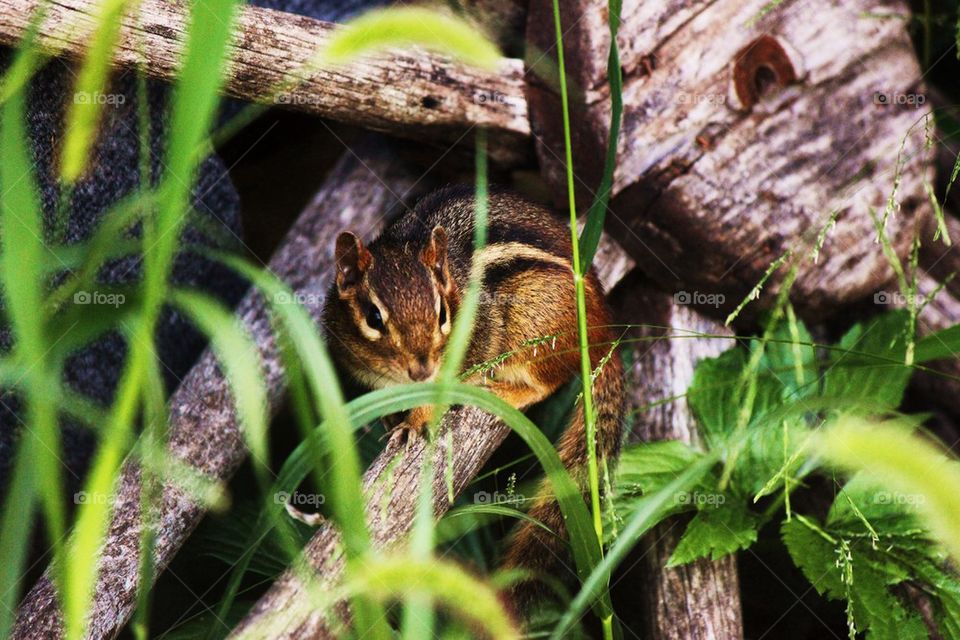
point(540, 552)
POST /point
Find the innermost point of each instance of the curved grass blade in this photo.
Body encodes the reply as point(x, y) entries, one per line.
point(238, 356)
point(404, 26)
point(590, 236)
point(345, 469)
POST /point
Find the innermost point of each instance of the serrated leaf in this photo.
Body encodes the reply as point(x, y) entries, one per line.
point(869, 368)
point(716, 532)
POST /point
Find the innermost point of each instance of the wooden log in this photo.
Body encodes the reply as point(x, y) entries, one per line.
point(467, 439)
point(700, 600)
point(744, 127)
point(362, 188)
point(412, 94)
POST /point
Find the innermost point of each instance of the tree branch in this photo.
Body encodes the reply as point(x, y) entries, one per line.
point(413, 94)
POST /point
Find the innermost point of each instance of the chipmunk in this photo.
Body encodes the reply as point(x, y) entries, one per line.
point(389, 313)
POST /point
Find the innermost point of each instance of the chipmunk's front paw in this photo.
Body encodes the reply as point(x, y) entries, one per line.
point(413, 427)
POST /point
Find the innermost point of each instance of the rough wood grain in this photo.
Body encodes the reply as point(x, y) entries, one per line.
point(741, 135)
point(203, 427)
point(700, 600)
point(412, 94)
point(390, 485)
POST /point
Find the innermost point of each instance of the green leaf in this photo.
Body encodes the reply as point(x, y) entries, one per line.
point(943, 344)
point(716, 531)
point(644, 467)
point(405, 26)
point(870, 368)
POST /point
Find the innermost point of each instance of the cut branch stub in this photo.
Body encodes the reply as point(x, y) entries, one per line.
point(743, 131)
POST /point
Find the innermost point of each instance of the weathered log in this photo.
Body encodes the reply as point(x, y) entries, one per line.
point(744, 127)
point(391, 486)
point(413, 94)
point(700, 600)
point(361, 189)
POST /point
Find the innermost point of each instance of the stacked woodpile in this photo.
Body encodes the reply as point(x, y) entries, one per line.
point(747, 135)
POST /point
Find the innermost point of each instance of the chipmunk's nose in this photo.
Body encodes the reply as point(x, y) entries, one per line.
point(420, 369)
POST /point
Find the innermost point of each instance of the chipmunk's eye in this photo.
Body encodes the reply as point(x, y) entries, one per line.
point(373, 318)
point(443, 313)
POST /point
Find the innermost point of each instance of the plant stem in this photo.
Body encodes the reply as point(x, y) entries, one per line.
point(585, 370)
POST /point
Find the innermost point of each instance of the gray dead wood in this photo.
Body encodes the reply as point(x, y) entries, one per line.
point(390, 485)
point(699, 600)
point(742, 130)
point(203, 428)
point(412, 94)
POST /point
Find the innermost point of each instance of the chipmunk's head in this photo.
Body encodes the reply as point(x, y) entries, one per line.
point(399, 305)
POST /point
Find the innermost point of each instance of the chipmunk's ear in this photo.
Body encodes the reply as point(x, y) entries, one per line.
point(434, 255)
point(353, 260)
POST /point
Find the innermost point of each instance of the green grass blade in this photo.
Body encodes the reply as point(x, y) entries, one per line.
point(405, 26)
point(92, 516)
point(605, 610)
point(83, 116)
point(590, 236)
point(26, 60)
point(194, 103)
point(238, 356)
point(345, 469)
point(429, 579)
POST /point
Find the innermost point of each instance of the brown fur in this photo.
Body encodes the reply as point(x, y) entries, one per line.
point(528, 293)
